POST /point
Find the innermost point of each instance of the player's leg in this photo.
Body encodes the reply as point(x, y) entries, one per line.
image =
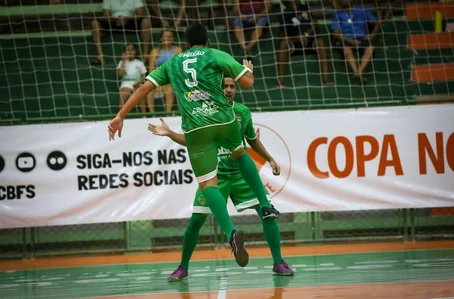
point(243, 198)
point(273, 238)
point(200, 212)
point(202, 149)
point(229, 137)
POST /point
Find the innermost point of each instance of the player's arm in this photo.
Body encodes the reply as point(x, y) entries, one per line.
point(259, 148)
point(135, 98)
point(164, 130)
point(240, 73)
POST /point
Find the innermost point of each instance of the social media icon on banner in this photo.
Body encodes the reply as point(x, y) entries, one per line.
point(2, 163)
point(56, 160)
point(25, 162)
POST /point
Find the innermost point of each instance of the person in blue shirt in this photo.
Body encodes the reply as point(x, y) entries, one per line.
point(299, 36)
point(158, 56)
point(350, 27)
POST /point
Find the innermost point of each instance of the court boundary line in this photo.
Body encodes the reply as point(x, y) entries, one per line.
point(287, 287)
point(450, 246)
point(216, 259)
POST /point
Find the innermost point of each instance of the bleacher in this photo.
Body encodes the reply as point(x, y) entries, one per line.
point(46, 71)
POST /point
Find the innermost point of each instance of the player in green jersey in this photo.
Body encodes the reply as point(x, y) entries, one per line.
point(208, 120)
point(231, 185)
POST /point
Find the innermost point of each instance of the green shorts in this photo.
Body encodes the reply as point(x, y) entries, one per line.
point(203, 147)
point(235, 187)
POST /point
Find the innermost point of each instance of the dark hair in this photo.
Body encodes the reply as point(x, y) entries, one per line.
point(196, 35)
point(134, 46)
point(131, 44)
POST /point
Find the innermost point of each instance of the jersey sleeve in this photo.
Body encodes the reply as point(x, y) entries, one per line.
point(230, 66)
point(159, 76)
point(249, 133)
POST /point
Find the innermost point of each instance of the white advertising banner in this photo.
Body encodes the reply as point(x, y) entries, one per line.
point(332, 160)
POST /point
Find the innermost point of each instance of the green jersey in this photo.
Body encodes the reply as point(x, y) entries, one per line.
point(227, 166)
point(197, 77)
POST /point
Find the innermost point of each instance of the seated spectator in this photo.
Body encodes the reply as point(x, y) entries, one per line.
point(120, 16)
point(158, 56)
point(159, 19)
point(350, 27)
point(132, 72)
point(299, 35)
point(251, 13)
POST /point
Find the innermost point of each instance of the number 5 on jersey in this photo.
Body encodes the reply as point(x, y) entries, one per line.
point(190, 71)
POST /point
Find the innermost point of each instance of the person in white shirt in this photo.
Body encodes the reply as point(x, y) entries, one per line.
point(132, 72)
point(119, 16)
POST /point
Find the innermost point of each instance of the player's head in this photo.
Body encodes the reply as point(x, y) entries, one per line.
point(166, 38)
point(197, 35)
point(229, 88)
point(131, 50)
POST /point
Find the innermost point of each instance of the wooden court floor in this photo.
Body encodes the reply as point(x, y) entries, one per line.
point(390, 270)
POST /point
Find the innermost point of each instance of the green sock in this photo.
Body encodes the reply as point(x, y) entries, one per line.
point(251, 176)
point(191, 236)
point(218, 207)
point(272, 236)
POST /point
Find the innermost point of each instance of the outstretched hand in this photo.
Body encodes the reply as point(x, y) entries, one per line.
point(115, 125)
point(159, 130)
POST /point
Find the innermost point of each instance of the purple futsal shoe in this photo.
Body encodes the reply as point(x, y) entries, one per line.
point(283, 269)
point(179, 274)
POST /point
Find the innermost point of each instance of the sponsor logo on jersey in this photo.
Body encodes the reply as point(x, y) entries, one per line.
point(208, 108)
point(197, 95)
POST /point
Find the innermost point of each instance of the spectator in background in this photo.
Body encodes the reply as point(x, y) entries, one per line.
point(119, 16)
point(250, 13)
point(350, 27)
point(132, 72)
point(156, 14)
point(299, 35)
point(158, 56)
